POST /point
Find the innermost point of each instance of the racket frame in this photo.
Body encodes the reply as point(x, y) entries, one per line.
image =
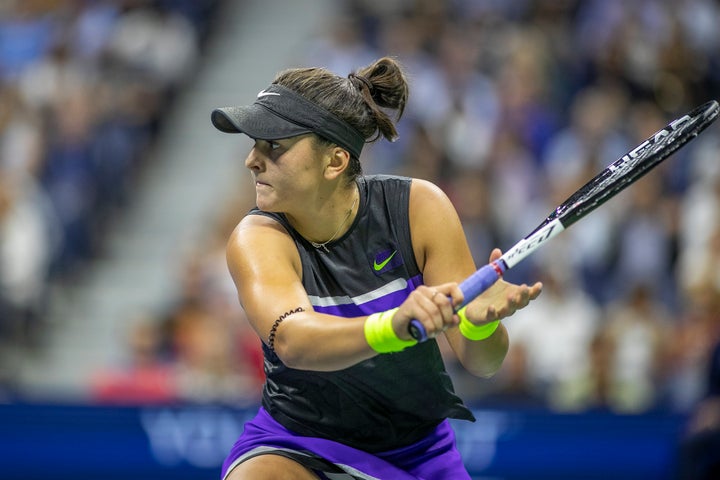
point(609, 182)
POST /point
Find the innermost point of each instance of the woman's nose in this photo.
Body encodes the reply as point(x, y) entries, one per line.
point(254, 160)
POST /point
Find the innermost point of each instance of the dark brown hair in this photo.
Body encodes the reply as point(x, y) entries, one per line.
point(362, 99)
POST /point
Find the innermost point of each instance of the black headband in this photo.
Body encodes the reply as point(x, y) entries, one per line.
point(279, 112)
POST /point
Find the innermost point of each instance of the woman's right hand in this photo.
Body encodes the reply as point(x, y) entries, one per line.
point(431, 306)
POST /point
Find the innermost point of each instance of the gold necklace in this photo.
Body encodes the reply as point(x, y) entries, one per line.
point(347, 215)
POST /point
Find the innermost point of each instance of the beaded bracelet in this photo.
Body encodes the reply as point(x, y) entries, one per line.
point(276, 324)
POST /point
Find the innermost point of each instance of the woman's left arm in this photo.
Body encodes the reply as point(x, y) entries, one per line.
point(443, 255)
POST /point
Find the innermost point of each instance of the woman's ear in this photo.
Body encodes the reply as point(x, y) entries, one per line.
point(338, 160)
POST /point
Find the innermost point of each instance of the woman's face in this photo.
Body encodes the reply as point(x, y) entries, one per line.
point(287, 172)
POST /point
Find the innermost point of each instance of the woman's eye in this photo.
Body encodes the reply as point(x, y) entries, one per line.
point(273, 145)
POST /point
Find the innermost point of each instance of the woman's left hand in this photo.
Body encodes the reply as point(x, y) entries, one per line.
point(501, 300)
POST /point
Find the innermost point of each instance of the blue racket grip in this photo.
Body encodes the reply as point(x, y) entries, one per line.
point(481, 280)
point(471, 287)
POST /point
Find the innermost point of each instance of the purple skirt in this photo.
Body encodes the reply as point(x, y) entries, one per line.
point(432, 458)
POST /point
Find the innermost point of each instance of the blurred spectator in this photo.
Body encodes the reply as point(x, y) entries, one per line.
point(645, 242)
point(44, 82)
point(627, 355)
point(26, 247)
point(209, 370)
point(590, 141)
point(91, 29)
point(216, 356)
point(466, 130)
point(470, 190)
point(516, 199)
point(523, 82)
point(343, 47)
point(157, 43)
point(699, 448)
point(27, 32)
point(640, 329)
point(68, 175)
point(28, 228)
point(511, 387)
point(699, 223)
point(593, 388)
point(556, 336)
point(21, 135)
point(145, 378)
point(423, 157)
point(693, 338)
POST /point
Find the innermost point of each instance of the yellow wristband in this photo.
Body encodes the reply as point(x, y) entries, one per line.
point(475, 332)
point(380, 335)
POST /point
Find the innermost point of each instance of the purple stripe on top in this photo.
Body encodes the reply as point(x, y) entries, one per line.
point(382, 303)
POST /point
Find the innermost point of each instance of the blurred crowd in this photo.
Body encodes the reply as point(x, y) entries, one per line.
point(82, 83)
point(513, 106)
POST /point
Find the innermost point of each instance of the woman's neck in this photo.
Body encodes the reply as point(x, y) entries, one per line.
point(329, 222)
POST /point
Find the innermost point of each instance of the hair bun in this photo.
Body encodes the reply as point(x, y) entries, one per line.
point(363, 81)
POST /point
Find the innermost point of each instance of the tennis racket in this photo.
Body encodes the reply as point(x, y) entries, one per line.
point(608, 183)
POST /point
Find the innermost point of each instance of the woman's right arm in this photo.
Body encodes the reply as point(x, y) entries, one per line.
point(266, 268)
point(267, 271)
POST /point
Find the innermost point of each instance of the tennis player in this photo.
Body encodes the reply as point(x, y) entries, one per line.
point(330, 267)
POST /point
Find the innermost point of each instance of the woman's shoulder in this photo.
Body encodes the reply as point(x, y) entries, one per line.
point(383, 178)
point(260, 241)
point(402, 189)
point(387, 185)
point(258, 223)
point(400, 180)
point(260, 218)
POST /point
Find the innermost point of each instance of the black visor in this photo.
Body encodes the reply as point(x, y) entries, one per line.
point(279, 112)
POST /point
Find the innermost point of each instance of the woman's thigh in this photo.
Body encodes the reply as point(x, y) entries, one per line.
point(271, 467)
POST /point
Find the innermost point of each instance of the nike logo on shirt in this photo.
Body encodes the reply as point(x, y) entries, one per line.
point(379, 266)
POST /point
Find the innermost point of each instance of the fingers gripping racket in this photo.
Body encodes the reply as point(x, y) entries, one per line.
point(608, 183)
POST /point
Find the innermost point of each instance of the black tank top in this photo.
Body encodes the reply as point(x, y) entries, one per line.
point(390, 400)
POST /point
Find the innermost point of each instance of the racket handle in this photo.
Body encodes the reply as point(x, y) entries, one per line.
point(417, 331)
point(481, 280)
point(471, 287)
